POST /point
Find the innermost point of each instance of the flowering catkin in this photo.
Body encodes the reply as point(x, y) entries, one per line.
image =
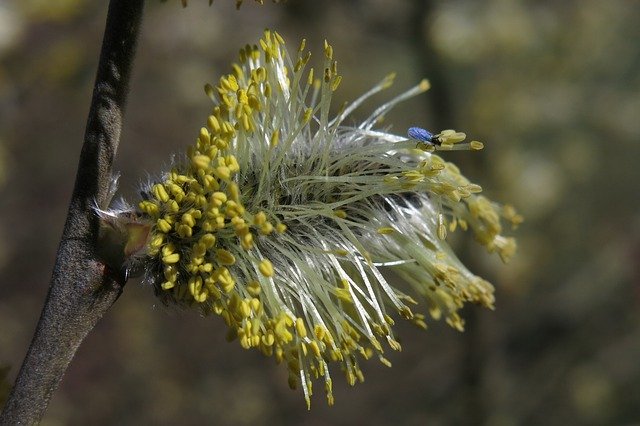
point(307, 236)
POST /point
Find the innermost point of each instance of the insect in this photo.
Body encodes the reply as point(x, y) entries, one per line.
point(418, 133)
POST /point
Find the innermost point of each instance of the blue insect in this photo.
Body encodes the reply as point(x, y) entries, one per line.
point(418, 133)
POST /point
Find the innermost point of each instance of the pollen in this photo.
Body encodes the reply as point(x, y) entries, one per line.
point(266, 268)
point(225, 257)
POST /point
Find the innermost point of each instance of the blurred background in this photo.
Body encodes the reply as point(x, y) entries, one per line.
point(553, 90)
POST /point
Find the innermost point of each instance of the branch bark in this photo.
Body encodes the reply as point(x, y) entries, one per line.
point(82, 286)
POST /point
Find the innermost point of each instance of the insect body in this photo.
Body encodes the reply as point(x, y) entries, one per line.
point(418, 133)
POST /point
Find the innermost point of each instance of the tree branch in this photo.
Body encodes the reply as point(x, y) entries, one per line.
point(82, 286)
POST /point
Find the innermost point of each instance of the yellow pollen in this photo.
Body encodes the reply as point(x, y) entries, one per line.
point(172, 258)
point(225, 257)
point(266, 268)
point(385, 230)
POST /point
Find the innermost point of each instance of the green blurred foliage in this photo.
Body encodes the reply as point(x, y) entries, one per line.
point(553, 90)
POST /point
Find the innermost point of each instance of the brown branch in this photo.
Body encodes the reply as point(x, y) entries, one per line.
point(82, 286)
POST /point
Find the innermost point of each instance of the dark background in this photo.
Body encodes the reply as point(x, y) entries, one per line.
point(553, 90)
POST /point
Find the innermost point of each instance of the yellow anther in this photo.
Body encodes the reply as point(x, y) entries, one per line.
point(306, 117)
point(266, 228)
point(195, 285)
point(385, 361)
point(255, 304)
point(300, 328)
point(168, 249)
point(200, 161)
point(245, 342)
point(170, 272)
point(281, 228)
point(242, 96)
point(268, 339)
point(315, 348)
point(254, 105)
point(473, 188)
point(255, 340)
point(386, 230)
point(343, 295)
point(205, 137)
point(232, 163)
point(420, 323)
point(351, 378)
point(223, 276)
point(160, 192)
point(289, 321)
point(261, 74)
point(184, 231)
point(156, 241)
point(424, 85)
point(232, 83)
point(259, 218)
point(247, 241)
point(476, 145)
point(254, 288)
point(188, 219)
point(310, 79)
point(218, 198)
point(336, 83)
point(172, 258)
point(208, 89)
point(413, 176)
point(328, 50)
point(340, 213)
point(172, 206)
point(149, 207)
point(426, 147)
point(405, 312)
point(320, 332)
point(168, 285)
point(176, 191)
point(208, 240)
point(239, 224)
point(283, 334)
point(442, 229)
point(163, 225)
point(222, 172)
point(266, 268)
point(389, 320)
point(330, 400)
point(225, 257)
point(234, 192)
point(246, 124)
point(245, 309)
point(275, 138)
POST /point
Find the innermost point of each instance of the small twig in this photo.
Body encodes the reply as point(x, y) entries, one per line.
point(82, 287)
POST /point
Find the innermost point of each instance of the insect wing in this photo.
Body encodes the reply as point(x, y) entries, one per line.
point(420, 134)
